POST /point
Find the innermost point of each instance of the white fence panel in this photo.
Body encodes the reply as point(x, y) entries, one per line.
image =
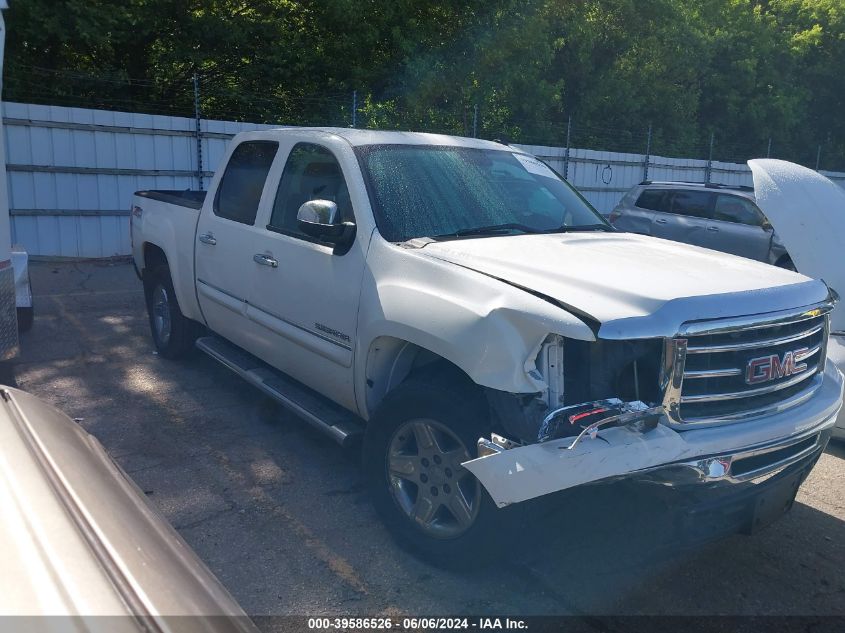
point(72, 171)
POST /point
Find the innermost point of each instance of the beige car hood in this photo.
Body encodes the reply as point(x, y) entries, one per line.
point(808, 213)
point(81, 539)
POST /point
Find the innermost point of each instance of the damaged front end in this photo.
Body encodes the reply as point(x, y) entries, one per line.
point(627, 371)
point(613, 409)
point(583, 420)
point(631, 439)
point(541, 447)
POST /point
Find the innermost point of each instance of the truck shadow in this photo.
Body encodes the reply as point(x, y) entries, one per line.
point(616, 553)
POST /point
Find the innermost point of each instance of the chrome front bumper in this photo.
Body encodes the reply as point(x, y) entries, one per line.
point(704, 506)
point(747, 451)
point(755, 465)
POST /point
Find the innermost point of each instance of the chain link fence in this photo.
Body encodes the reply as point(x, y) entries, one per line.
point(212, 97)
point(78, 146)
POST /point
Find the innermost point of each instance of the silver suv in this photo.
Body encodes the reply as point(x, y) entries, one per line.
point(722, 217)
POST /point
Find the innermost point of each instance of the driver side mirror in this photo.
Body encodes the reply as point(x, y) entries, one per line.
point(320, 219)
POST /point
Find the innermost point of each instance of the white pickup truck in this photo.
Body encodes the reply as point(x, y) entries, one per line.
point(464, 310)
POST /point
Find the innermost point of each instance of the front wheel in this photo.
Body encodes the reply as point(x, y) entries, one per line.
point(413, 450)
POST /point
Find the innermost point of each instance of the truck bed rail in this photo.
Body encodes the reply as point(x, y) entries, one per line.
point(184, 198)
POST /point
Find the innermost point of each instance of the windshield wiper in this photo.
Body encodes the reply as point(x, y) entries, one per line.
point(501, 229)
point(582, 227)
point(491, 229)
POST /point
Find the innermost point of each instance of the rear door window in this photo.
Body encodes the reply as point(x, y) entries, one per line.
point(243, 181)
point(736, 209)
point(695, 204)
point(652, 199)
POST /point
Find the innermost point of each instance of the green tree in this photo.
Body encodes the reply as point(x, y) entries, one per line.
point(745, 70)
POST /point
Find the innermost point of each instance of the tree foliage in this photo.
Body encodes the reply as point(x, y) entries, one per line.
point(745, 71)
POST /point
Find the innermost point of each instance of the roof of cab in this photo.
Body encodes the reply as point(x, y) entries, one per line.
point(357, 137)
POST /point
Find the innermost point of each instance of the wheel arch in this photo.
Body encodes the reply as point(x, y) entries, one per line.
point(154, 256)
point(181, 275)
point(391, 360)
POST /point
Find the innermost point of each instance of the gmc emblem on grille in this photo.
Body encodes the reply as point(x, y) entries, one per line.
point(767, 368)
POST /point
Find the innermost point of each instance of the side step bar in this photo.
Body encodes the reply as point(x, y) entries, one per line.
point(321, 413)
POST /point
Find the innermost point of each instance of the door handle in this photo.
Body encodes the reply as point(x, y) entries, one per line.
point(660, 221)
point(265, 260)
point(713, 228)
point(207, 238)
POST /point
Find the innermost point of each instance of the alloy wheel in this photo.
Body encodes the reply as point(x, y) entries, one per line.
point(427, 480)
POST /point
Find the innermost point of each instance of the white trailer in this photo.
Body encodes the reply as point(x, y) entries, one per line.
point(15, 295)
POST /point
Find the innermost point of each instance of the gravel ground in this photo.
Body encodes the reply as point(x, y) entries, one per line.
point(279, 513)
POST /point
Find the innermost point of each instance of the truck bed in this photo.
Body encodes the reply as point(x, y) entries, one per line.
point(168, 220)
point(192, 198)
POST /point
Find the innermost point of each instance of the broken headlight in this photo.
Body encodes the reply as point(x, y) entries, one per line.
point(580, 372)
point(627, 370)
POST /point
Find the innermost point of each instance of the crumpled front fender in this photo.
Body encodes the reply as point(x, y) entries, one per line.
point(490, 330)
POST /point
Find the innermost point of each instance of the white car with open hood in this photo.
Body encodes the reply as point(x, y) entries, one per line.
point(492, 338)
point(810, 211)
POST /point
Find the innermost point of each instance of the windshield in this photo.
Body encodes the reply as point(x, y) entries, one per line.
point(437, 191)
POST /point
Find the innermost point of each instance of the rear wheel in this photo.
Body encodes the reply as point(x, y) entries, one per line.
point(26, 316)
point(413, 450)
point(786, 262)
point(173, 333)
point(7, 374)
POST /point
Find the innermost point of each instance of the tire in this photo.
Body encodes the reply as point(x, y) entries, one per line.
point(173, 333)
point(786, 262)
point(25, 318)
point(455, 416)
point(7, 374)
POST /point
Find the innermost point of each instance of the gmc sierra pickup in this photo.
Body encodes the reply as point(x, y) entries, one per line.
point(460, 307)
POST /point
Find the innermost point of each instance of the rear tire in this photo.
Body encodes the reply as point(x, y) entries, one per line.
point(7, 374)
point(412, 452)
point(786, 262)
point(173, 333)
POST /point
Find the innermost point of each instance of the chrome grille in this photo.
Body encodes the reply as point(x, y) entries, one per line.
point(716, 372)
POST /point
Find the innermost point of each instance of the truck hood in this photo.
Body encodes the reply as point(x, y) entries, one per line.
point(632, 285)
point(808, 212)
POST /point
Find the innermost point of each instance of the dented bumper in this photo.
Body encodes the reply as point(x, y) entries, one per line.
point(748, 451)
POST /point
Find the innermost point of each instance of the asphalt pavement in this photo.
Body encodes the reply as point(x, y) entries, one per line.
point(280, 515)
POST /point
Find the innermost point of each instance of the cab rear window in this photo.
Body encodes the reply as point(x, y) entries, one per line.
point(242, 183)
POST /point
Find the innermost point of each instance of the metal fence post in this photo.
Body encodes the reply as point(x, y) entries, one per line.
point(647, 154)
point(198, 129)
point(475, 121)
point(709, 169)
point(566, 155)
point(354, 108)
point(769, 148)
point(818, 157)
